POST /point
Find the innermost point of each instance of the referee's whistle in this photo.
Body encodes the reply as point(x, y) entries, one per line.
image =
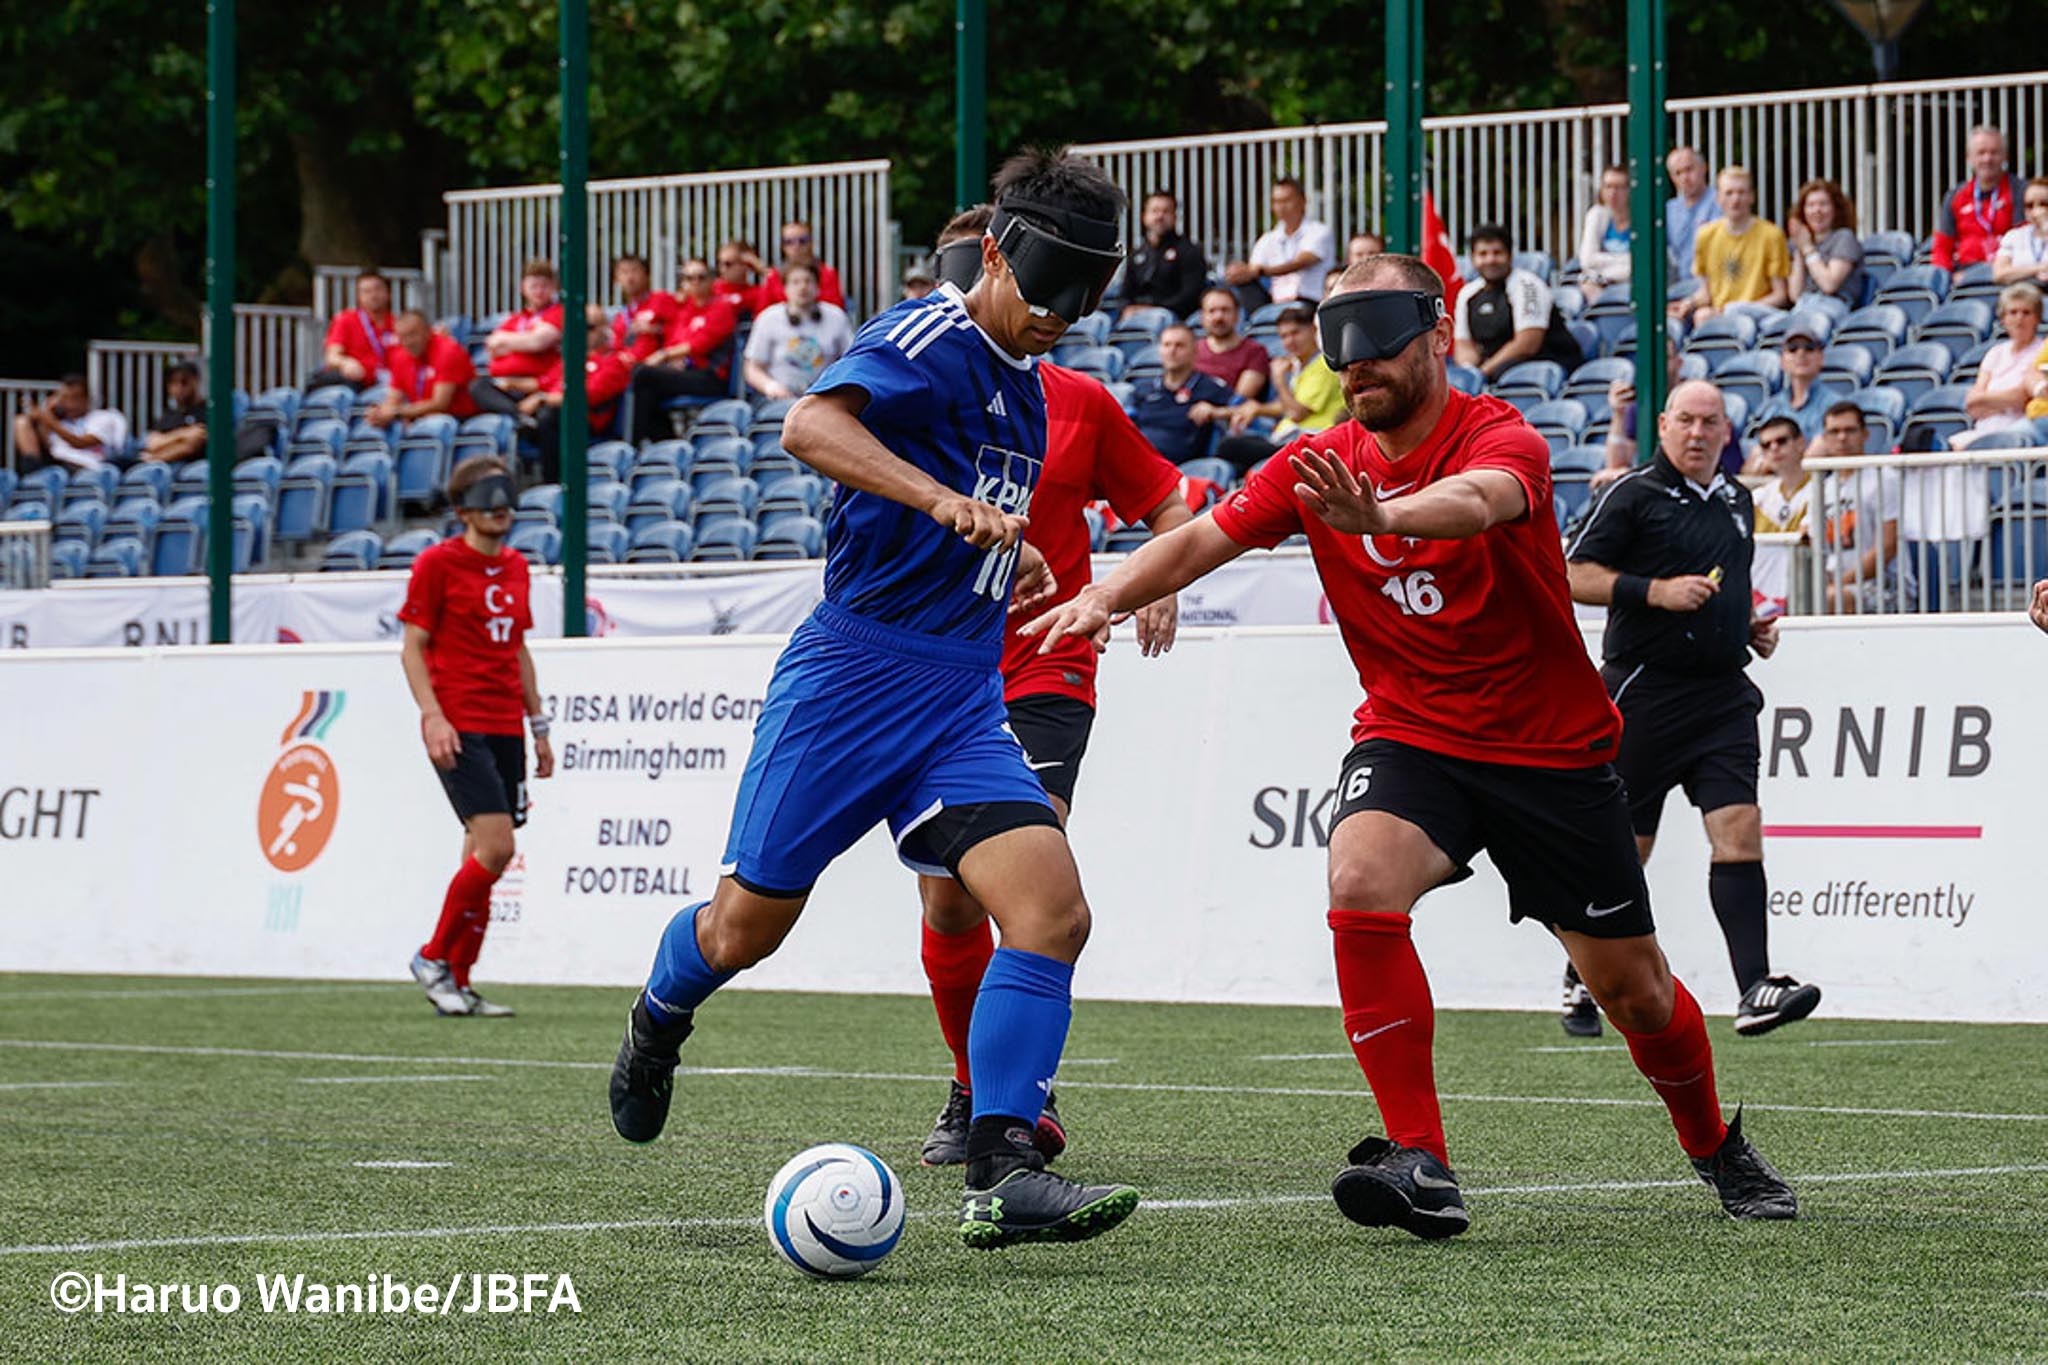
point(1714, 576)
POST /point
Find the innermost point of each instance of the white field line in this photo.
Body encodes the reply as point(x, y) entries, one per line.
point(402, 1165)
point(1154, 1205)
point(1580, 1047)
point(56, 1085)
point(1303, 1057)
point(381, 1080)
point(1881, 1042)
point(187, 992)
point(919, 1078)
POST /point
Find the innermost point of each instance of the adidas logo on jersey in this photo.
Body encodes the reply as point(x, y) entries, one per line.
point(996, 408)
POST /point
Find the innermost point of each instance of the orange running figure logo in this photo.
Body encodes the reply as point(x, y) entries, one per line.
point(301, 797)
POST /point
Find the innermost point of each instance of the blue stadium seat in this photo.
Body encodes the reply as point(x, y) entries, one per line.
point(333, 403)
point(1915, 368)
point(729, 497)
point(1125, 539)
point(1529, 383)
point(400, 551)
point(80, 523)
point(456, 327)
point(1570, 302)
point(1724, 335)
point(1615, 300)
point(1141, 324)
point(322, 436)
point(768, 417)
point(1577, 462)
point(1219, 472)
point(67, 559)
point(769, 463)
point(28, 509)
point(1975, 282)
point(1593, 378)
point(1966, 366)
point(45, 485)
point(359, 496)
point(1917, 289)
point(803, 495)
point(259, 474)
point(180, 539)
point(659, 501)
point(1569, 499)
point(607, 542)
point(1098, 532)
point(92, 485)
point(352, 550)
point(422, 458)
point(724, 541)
point(1464, 378)
point(8, 479)
point(1883, 324)
point(1537, 263)
point(540, 505)
point(611, 460)
point(1559, 421)
point(726, 417)
point(147, 476)
point(1141, 361)
point(1753, 374)
point(607, 499)
point(302, 498)
point(1885, 412)
point(116, 557)
point(540, 544)
point(662, 542)
point(1848, 366)
point(1942, 400)
point(1960, 325)
point(1888, 248)
point(190, 481)
point(1104, 362)
point(487, 433)
point(1738, 409)
point(669, 459)
point(721, 457)
point(1585, 333)
point(791, 538)
point(133, 519)
point(1096, 327)
point(251, 530)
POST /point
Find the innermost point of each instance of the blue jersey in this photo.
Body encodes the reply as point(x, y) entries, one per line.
point(943, 397)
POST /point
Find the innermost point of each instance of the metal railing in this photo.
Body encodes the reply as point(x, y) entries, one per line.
point(24, 554)
point(492, 232)
point(334, 289)
point(1894, 149)
point(274, 346)
point(16, 397)
point(128, 376)
point(1971, 531)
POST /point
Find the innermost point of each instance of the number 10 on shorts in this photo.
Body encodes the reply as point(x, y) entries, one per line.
point(1415, 595)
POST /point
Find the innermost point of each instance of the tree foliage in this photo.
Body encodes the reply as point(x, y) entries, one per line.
point(352, 119)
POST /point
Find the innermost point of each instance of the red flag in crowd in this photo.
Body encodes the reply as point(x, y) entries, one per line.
point(1436, 250)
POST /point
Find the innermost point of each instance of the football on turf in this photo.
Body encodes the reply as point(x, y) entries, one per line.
point(834, 1211)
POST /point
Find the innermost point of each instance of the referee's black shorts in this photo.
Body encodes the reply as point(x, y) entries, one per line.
point(1680, 730)
point(489, 777)
point(1559, 837)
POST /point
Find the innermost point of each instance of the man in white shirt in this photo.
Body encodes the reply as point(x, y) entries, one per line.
point(1860, 525)
point(795, 340)
point(1291, 259)
point(68, 430)
point(1508, 316)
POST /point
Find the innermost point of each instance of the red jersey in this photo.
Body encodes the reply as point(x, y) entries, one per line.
point(606, 377)
point(1092, 450)
point(367, 337)
point(529, 364)
point(446, 363)
point(828, 287)
point(707, 327)
point(475, 609)
point(656, 315)
point(743, 299)
point(1465, 648)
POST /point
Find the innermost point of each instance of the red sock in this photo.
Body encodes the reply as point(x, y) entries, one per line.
point(1678, 1062)
point(468, 892)
point(954, 964)
point(1391, 1022)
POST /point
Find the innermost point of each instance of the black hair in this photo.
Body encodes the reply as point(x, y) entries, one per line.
point(1167, 195)
point(640, 261)
point(1783, 421)
point(1296, 315)
point(73, 380)
point(1055, 177)
point(371, 272)
point(1847, 406)
point(1288, 182)
point(184, 367)
point(1492, 232)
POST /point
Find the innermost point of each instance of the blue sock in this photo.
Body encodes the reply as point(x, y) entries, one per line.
point(681, 980)
point(1018, 1032)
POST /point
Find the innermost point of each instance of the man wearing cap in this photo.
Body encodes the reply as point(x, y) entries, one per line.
point(1484, 726)
point(887, 705)
point(1668, 551)
point(1802, 398)
point(466, 615)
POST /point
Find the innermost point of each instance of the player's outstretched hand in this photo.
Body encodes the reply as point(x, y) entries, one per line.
point(443, 744)
point(1335, 494)
point(543, 757)
point(1687, 592)
point(980, 524)
point(1083, 616)
point(1158, 623)
point(1034, 585)
point(2037, 611)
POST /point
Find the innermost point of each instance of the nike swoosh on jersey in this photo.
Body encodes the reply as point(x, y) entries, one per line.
point(493, 573)
point(1597, 912)
point(1384, 493)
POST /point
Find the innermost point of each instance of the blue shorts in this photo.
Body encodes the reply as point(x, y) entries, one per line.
point(865, 722)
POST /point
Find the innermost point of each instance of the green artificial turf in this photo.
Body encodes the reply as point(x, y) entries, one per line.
point(1930, 1241)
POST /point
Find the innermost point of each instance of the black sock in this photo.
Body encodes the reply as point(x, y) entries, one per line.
point(998, 1144)
point(1740, 899)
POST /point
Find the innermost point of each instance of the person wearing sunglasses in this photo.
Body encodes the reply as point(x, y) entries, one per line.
point(799, 248)
point(695, 357)
point(1783, 502)
point(2023, 252)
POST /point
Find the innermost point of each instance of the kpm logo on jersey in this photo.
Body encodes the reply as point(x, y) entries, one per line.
point(302, 795)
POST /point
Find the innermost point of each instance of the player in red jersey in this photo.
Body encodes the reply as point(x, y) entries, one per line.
point(1092, 450)
point(466, 615)
point(1485, 726)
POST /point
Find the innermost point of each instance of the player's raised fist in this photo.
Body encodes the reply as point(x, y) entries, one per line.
point(980, 524)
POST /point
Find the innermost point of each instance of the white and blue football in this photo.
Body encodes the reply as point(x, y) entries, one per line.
point(834, 1211)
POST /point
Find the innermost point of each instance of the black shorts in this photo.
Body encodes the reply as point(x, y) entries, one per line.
point(1681, 731)
point(1054, 732)
point(489, 777)
point(1559, 837)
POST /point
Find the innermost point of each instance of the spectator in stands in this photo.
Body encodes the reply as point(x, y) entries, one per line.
point(1362, 245)
point(1827, 257)
point(1783, 501)
point(1740, 258)
point(1977, 214)
point(1290, 260)
point(695, 357)
point(1227, 354)
point(1166, 270)
point(1799, 361)
point(2023, 252)
point(430, 373)
point(736, 278)
point(1306, 395)
point(795, 340)
point(1180, 411)
point(1860, 524)
point(1605, 237)
point(797, 250)
point(527, 344)
point(1621, 430)
point(1691, 209)
point(608, 373)
point(359, 341)
point(66, 429)
point(1509, 317)
point(179, 434)
point(918, 281)
point(646, 314)
point(1998, 400)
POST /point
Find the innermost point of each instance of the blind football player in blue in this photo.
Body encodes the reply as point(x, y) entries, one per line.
point(887, 703)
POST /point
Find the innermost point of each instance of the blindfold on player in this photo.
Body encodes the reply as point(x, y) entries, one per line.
point(1062, 261)
point(491, 493)
point(1373, 324)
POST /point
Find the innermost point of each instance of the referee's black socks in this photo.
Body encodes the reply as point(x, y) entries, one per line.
point(1740, 898)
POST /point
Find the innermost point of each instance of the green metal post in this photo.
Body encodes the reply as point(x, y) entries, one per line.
point(970, 103)
point(220, 316)
point(1402, 225)
point(1647, 139)
point(575, 271)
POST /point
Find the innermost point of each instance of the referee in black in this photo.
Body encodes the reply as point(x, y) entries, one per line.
point(1667, 552)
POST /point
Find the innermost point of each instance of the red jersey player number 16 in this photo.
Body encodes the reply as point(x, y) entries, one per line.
point(466, 614)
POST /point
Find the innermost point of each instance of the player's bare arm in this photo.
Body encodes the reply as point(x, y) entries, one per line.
point(1158, 621)
point(1593, 585)
point(529, 686)
point(443, 744)
point(1163, 565)
point(1450, 509)
point(824, 431)
point(1033, 583)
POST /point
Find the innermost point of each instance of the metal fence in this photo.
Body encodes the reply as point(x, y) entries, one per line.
point(24, 554)
point(16, 397)
point(334, 289)
point(1893, 148)
point(492, 232)
point(128, 376)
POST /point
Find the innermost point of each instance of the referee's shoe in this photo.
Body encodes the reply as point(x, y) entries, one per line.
point(1772, 1002)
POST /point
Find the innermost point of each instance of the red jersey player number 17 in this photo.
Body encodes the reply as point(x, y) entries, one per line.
point(466, 614)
